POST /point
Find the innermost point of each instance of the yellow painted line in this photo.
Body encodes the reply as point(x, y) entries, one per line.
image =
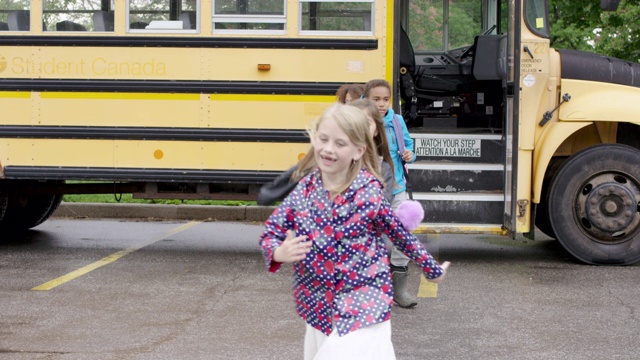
point(109, 259)
point(428, 289)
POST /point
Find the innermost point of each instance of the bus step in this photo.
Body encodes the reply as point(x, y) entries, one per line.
point(462, 207)
point(466, 228)
point(440, 176)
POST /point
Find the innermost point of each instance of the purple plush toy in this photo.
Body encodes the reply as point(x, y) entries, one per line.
point(410, 213)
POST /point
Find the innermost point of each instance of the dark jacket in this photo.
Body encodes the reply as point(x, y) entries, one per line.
point(279, 188)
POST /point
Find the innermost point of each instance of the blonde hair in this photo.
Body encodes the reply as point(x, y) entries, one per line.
point(355, 125)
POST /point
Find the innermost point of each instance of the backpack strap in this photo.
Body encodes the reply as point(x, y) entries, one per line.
point(397, 128)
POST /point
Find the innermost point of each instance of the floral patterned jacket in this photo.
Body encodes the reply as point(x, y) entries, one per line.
point(345, 280)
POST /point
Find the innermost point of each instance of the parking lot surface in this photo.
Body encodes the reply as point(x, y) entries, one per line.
point(134, 289)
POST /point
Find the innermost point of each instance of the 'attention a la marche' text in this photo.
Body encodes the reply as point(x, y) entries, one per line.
point(448, 147)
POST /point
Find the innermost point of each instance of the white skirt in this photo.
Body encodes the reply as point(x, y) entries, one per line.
point(367, 343)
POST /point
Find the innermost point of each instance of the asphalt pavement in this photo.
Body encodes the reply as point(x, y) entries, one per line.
point(162, 211)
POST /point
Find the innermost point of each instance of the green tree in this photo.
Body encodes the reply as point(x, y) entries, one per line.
point(465, 22)
point(620, 35)
point(581, 25)
point(426, 25)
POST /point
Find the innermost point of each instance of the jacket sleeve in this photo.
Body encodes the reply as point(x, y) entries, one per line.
point(406, 242)
point(408, 141)
point(277, 189)
point(276, 226)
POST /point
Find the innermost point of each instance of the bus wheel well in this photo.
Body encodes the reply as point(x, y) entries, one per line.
point(542, 221)
point(628, 134)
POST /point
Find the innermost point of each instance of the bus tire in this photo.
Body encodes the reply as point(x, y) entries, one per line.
point(56, 200)
point(24, 212)
point(3, 203)
point(594, 204)
point(542, 221)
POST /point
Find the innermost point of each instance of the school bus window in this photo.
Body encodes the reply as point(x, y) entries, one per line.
point(76, 15)
point(536, 17)
point(249, 16)
point(103, 21)
point(336, 16)
point(14, 16)
point(163, 15)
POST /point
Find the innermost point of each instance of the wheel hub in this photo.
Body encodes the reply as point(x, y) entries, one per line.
point(610, 207)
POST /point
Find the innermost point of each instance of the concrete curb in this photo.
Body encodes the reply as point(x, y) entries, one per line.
point(165, 212)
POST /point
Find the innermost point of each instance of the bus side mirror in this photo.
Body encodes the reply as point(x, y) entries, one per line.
point(609, 5)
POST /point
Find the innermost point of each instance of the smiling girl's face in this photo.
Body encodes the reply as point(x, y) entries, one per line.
point(334, 152)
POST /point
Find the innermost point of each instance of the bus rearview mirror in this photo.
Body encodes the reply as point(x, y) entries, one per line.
point(609, 5)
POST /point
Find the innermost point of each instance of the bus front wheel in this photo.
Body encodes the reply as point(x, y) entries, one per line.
point(594, 205)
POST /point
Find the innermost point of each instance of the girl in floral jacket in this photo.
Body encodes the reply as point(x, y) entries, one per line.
point(330, 228)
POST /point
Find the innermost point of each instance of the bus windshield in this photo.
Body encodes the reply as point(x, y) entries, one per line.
point(440, 25)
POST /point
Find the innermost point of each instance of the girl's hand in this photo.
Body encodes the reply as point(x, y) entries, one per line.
point(292, 249)
point(407, 155)
point(444, 266)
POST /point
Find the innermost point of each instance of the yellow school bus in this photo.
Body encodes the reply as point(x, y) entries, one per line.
point(200, 99)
